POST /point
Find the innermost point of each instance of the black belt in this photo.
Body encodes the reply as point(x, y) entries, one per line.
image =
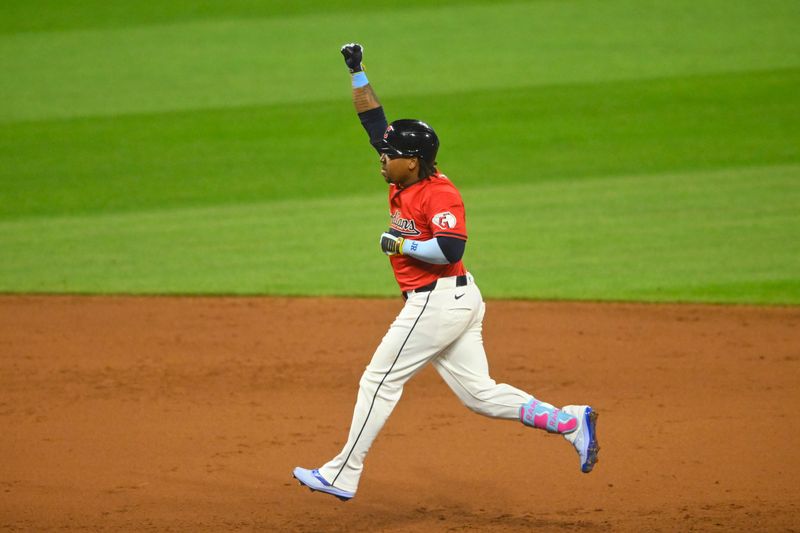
point(461, 281)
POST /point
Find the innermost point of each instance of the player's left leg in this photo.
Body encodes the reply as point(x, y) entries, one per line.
point(464, 367)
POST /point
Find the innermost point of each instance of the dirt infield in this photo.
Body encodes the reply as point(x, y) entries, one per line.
point(190, 413)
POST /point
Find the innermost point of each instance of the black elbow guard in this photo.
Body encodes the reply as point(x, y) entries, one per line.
point(452, 248)
point(374, 121)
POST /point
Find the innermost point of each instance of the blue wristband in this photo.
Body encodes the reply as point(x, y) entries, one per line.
point(360, 80)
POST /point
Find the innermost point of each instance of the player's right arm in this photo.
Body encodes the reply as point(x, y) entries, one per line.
point(369, 109)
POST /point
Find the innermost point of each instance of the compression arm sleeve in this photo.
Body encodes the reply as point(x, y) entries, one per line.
point(438, 251)
point(374, 121)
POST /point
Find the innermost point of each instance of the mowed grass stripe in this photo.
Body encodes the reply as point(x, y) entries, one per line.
point(56, 15)
point(724, 236)
point(270, 248)
point(255, 61)
point(683, 237)
point(318, 150)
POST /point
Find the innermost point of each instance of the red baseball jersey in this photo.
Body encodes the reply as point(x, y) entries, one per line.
point(429, 208)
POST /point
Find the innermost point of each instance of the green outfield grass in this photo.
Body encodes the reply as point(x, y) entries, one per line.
point(707, 236)
point(630, 150)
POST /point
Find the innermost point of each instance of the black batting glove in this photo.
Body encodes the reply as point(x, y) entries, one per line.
point(352, 53)
point(392, 244)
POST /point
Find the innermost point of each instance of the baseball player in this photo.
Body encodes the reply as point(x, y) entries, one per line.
point(442, 318)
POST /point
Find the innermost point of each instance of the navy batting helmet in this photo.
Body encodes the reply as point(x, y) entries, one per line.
point(410, 138)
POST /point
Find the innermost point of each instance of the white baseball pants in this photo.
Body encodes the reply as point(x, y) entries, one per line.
point(443, 327)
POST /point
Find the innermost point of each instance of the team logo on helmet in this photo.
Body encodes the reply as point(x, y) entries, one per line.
point(388, 130)
point(446, 220)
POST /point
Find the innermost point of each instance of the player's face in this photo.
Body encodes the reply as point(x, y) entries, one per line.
point(398, 170)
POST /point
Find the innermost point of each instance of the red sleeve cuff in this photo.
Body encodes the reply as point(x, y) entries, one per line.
point(450, 234)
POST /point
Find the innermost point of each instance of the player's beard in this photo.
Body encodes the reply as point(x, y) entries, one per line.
point(385, 173)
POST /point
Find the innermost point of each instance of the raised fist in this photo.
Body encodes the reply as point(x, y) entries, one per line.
point(352, 53)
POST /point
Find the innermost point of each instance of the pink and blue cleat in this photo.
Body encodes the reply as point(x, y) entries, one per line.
point(315, 482)
point(584, 437)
